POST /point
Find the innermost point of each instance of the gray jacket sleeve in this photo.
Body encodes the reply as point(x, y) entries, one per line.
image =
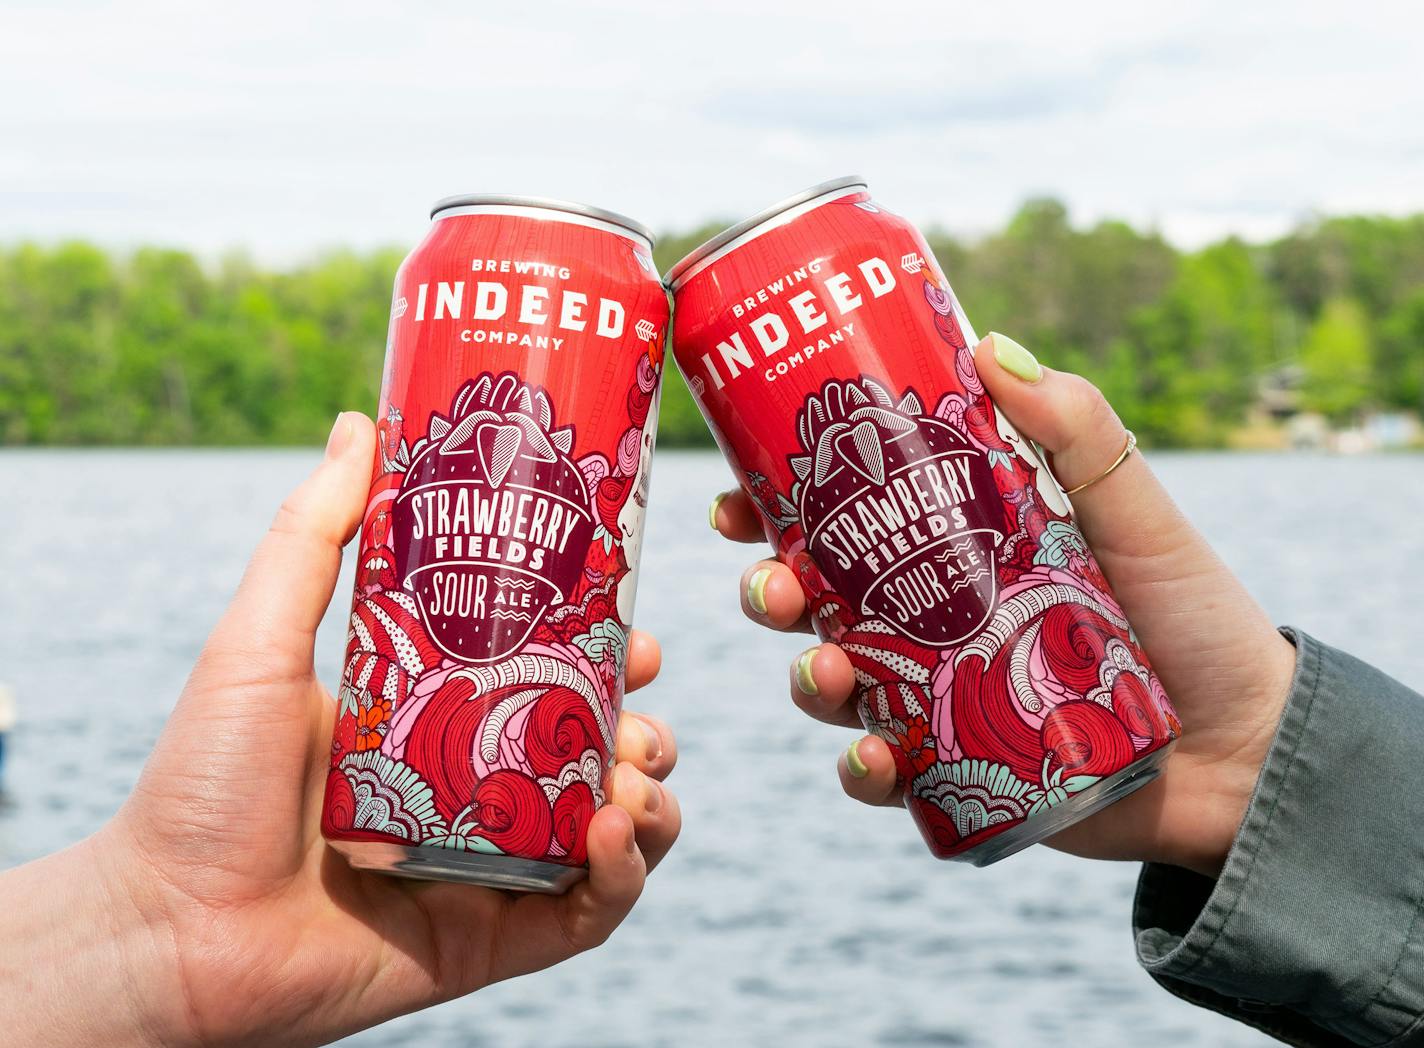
point(1314, 931)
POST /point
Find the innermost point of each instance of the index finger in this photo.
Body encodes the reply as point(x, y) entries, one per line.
point(733, 516)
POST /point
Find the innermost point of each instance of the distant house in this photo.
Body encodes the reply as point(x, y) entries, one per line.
point(1388, 430)
point(1277, 410)
point(1307, 431)
point(1278, 391)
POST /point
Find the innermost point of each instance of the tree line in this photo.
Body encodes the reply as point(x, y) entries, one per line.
point(156, 347)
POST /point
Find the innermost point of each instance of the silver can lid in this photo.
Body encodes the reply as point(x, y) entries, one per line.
point(679, 271)
point(545, 204)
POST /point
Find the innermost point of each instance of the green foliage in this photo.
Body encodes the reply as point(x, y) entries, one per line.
point(1399, 362)
point(1337, 359)
point(157, 348)
point(679, 420)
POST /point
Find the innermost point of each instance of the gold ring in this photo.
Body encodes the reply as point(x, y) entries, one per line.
point(1127, 449)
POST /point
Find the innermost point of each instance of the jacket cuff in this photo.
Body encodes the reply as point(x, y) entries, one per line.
point(1314, 931)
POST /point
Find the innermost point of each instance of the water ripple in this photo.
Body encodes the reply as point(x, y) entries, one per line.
point(787, 915)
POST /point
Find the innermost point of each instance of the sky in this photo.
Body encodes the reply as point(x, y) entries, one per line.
point(284, 129)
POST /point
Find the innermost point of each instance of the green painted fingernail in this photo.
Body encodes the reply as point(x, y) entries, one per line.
point(756, 590)
point(804, 678)
point(854, 764)
point(1014, 359)
point(712, 510)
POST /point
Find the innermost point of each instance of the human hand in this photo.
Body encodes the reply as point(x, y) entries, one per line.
point(1224, 665)
point(210, 910)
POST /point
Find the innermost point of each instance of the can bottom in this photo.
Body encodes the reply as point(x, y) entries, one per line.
point(1075, 809)
point(442, 864)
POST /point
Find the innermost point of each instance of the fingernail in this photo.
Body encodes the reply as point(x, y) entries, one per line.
point(652, 796)
point(651, 739)
point(712, 510)
point(1014, 359)
point(854, 764)
point(340, 436)
point(756, 590)
point(805, 680)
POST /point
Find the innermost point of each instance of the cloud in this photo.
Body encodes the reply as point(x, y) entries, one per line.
point(841, 114)
point(284, 127)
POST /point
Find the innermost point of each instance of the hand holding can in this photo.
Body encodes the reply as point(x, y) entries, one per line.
point(489, 631)
point(833, 362)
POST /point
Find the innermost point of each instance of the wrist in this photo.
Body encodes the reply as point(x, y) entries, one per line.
point(79, 950)
point(1229, 771)
point(1203, 844)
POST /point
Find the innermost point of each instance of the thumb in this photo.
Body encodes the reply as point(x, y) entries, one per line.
point(1125, 513)
point(272, 620)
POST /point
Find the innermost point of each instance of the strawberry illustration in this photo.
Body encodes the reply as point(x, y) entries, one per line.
point(493, 521)
point(775, 507)
point(900, 509)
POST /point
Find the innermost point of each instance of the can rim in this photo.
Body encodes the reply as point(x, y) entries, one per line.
point(679, 270)
point(544, 204)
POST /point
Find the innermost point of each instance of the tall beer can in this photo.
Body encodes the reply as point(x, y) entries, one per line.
point(498, 557)
point(834, 366)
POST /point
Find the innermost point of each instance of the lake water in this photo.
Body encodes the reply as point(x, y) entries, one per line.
point(786, 915)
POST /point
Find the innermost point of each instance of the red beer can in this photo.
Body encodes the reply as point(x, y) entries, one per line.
point(834, 366)
point(483, 676)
